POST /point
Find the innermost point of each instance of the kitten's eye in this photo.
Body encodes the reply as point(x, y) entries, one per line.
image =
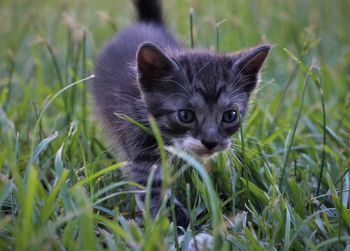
point(186, 116)
point(229, 116)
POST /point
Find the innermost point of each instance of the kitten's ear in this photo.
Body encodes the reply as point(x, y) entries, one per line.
point(152, 64)
point(250, 61)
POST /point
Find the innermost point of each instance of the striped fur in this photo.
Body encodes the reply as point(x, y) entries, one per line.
point(145, 71)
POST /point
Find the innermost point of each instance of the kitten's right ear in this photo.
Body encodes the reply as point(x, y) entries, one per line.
point(250, 61)
point(152, 65)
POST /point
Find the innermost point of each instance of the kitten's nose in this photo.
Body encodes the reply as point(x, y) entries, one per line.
point(209, 144)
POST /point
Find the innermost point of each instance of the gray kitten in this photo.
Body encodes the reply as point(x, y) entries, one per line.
point(192, 94)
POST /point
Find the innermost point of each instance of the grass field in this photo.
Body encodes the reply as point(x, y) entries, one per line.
point(284, 186)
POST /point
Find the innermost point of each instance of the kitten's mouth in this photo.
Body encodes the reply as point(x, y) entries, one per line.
point(196, 148)
point(205, 154)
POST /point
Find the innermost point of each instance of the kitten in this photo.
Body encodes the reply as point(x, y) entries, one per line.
point(192, 94)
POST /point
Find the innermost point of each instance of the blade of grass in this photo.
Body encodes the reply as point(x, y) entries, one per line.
point(97, 174)
point(49, 204)
point(293, 132)
point(190, 213)
point(319, 87)
point(147, 207)
point(191, 27)
point(214, 207)
point(136, 123)
point(217, 26)
point(47, 104)
point(287, 233)
point(25, 230)
point(163, 155)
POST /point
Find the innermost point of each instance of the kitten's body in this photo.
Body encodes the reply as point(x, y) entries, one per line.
point(145, 71)
point(117, 91)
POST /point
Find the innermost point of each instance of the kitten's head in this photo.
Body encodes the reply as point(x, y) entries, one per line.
point(194, 96)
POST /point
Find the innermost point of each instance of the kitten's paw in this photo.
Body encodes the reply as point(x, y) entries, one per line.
point(202, 241)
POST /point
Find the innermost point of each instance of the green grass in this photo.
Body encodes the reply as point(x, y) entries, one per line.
point(284, 186)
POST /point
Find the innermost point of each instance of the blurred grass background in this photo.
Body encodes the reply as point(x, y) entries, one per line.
point(58, 191)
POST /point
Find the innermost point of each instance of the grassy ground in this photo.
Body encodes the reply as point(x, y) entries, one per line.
point(284, 186)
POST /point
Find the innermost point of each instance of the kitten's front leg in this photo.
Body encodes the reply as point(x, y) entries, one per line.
point(139, 172)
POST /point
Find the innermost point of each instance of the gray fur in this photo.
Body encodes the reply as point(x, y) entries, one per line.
point(145, 71)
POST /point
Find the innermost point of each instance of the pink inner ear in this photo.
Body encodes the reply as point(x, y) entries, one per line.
point(150, 58)
point(252, 59)
point(152, 65)
point(255, 63)
point(147, 55)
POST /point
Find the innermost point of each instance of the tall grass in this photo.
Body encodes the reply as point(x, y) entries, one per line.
point(284, 185)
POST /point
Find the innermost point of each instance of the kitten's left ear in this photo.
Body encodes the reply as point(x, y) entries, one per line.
point(152, 65)
point(250, 61)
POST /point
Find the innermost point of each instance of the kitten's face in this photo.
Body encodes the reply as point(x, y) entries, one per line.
point(196, 97)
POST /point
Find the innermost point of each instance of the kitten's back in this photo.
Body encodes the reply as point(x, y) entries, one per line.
point(115, 87)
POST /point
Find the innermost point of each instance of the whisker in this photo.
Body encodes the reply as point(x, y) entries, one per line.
point(186, 77)
point(180, 85)
point(243, 68)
